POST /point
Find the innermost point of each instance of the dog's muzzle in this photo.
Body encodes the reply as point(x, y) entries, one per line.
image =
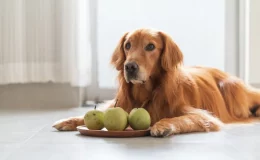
point(131, 69)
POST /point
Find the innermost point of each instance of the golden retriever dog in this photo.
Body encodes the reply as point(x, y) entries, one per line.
point(179, 99)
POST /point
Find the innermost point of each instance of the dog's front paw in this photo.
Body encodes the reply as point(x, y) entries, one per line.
point(69, 124)
point(162, 129)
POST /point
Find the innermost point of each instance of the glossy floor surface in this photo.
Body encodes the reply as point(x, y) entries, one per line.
point(27, 134)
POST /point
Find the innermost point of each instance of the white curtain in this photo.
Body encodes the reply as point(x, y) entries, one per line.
point(45, 40)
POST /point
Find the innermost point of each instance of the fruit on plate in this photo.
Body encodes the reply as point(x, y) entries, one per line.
point(139, 119)
point(94, 120)
point(115, 119)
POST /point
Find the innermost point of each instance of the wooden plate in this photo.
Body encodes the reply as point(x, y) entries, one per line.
point(129, 132)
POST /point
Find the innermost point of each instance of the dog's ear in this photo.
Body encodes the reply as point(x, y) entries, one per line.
point(118, 57)
point(171, 55)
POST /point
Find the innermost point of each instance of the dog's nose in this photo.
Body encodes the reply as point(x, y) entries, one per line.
point(131, 67)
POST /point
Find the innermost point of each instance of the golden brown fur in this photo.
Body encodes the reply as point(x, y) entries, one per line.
point(180, 99)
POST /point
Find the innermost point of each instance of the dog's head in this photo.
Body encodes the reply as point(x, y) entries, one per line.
point(142, 52)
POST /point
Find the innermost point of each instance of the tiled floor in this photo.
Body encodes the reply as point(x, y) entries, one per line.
point(27, 134)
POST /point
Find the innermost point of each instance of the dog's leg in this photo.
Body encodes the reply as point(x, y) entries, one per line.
point(70, 124)
point(193, 120)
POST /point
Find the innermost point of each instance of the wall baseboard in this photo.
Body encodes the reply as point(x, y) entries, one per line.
point(38, 95)
point(257, 85)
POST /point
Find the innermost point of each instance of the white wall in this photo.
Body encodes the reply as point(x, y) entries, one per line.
point(254, 42)
point(198, 27)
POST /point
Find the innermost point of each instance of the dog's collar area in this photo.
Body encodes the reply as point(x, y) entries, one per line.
point(144, 104)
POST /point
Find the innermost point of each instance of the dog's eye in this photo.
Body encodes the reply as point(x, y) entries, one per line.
point(127, 45)
point(150, 47)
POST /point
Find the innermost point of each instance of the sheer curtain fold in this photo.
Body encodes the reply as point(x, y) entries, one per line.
point(45, 40)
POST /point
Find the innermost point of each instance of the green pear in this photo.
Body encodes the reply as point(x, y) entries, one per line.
point(139, 119)
point(115, 119)
point(94, 120)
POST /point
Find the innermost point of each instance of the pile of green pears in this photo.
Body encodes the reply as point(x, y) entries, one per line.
point(116, 119)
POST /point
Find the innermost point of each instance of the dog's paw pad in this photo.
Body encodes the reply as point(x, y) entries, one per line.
point(162, 130)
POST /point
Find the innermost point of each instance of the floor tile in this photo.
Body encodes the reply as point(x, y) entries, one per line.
point(126, 151)
point(7, 149)
point(28, 134)
point(15, 137)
